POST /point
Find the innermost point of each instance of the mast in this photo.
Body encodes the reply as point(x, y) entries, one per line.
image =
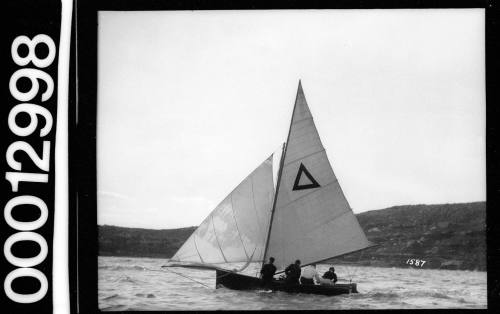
point(282, 160)
point(274, 203)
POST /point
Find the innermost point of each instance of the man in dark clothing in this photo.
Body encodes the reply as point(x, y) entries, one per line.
point(330, 275)
point(293, 273)
point(267, 273)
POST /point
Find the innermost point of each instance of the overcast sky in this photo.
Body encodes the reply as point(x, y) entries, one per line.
point(189, 103)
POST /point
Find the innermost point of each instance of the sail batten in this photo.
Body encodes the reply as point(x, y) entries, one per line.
point(311, 154)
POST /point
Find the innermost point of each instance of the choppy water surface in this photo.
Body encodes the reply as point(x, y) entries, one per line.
point(140, 284)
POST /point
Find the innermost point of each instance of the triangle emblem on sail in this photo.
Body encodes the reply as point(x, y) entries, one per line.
point(303, 171)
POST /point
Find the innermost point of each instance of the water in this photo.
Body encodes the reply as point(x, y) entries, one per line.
point(140, 284)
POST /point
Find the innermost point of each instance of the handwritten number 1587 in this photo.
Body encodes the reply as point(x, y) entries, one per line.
point(416, 262)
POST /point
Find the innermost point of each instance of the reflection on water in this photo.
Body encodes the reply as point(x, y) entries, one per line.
point(139, 284)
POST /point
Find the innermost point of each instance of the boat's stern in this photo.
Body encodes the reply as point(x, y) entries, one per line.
point(353, 288)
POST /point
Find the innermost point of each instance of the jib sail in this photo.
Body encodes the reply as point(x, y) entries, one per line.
point(236, 230)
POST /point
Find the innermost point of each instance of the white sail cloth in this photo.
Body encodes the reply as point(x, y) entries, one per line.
point(312, 219)
point(236, 230)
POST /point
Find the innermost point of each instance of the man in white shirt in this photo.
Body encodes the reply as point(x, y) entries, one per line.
point(309, 275)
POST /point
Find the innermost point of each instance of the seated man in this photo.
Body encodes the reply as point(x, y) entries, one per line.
point(309, 275)
point(293, 273)
point(329, 278)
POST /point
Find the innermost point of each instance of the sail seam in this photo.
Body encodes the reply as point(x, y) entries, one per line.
point(307, 194)
point(310, 118)
point(332, 219)
point(217, 239)
point(236, 224)
point(290, 162)
point(305, 136)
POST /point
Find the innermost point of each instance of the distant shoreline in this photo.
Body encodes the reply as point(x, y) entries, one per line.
point(334, 264)
point(446, 236)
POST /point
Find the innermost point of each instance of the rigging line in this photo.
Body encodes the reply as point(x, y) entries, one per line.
point(357, 266)
point(187, 277)
point(309, 193)
point(236, 223)
point(235, 271)
point(349, 272)
point(196, 247)
point(255, 206)
point(247, 263)
point(309, 155)
point(217, 239)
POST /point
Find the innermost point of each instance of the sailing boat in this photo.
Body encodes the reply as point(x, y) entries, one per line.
point(290, 207)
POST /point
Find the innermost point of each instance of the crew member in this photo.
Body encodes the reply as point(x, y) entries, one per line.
point(309, 275)
point(292, 273)
point(330, 275)
point(267, 273)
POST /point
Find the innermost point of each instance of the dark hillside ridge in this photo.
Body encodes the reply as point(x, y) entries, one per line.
point(137, 242)
point(446, 236)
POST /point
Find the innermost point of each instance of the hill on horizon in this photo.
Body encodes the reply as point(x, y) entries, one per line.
point(446, 236)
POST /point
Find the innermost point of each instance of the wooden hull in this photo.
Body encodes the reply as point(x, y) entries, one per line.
point(242, 282)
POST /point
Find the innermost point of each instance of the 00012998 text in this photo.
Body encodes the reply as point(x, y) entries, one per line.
point(26, 228)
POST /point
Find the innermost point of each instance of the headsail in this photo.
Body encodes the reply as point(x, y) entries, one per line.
point(312, 220)
point(236, 230)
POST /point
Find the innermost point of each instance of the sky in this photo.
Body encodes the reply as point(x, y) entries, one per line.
point(190, 102)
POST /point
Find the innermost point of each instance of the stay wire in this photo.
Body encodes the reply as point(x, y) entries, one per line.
point(179, 274)
point(356, 269)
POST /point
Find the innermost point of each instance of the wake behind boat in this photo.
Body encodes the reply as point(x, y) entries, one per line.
point(290, 207)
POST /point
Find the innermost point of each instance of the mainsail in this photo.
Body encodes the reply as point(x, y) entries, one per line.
point(236, 230)
point(312, 220)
